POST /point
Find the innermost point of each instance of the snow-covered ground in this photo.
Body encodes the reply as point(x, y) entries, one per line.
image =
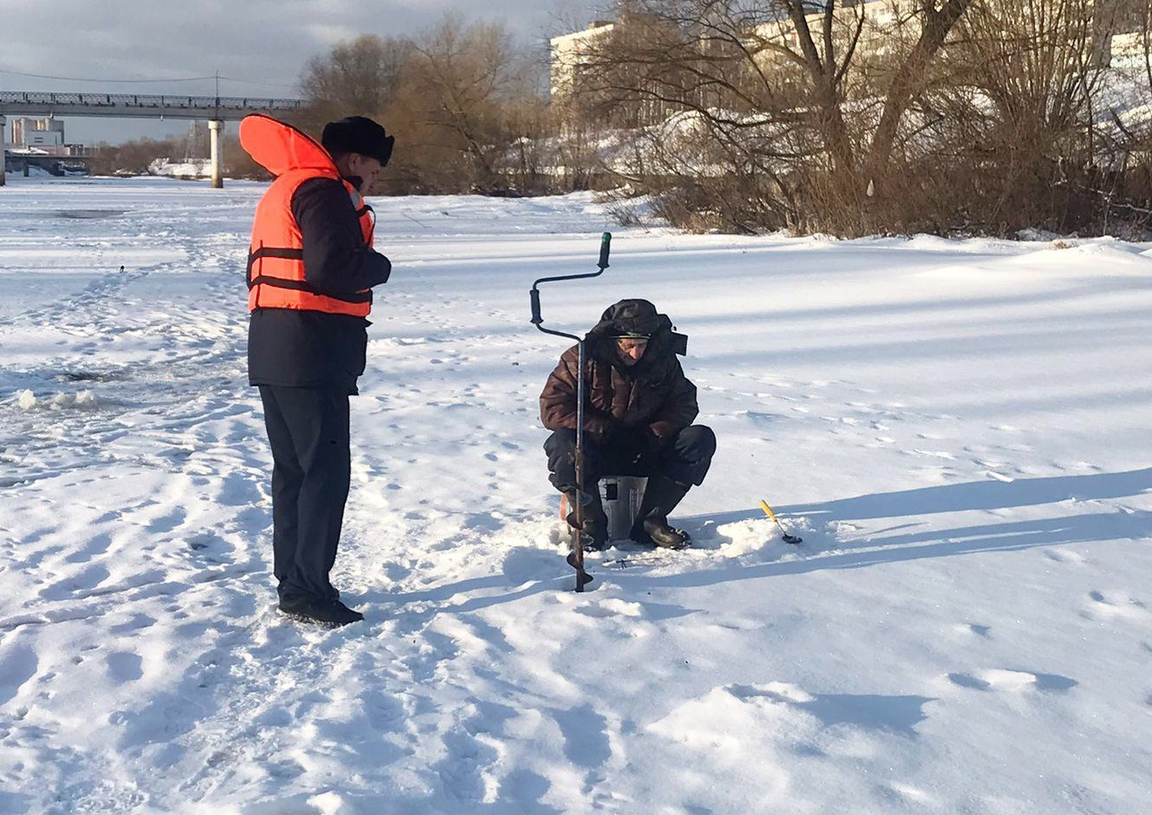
point(960, 431)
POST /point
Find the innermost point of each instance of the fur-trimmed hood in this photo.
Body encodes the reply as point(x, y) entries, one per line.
point(635, 317)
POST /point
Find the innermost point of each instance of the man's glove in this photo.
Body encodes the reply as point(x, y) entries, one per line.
point(621, 442)
point(634, 444)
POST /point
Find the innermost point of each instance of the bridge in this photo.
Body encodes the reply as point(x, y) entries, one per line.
point(215, 109)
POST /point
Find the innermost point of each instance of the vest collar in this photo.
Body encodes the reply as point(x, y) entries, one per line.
point(280, 147)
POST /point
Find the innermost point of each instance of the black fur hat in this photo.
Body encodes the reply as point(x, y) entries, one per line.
point(358, 134)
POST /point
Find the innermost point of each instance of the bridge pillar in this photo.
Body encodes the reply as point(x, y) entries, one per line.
point(215, 129)
point(3, 122)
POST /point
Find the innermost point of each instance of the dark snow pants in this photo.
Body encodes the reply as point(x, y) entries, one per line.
point(683, 458)
point(312, 463)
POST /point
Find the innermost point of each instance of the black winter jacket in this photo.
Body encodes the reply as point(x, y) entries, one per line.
point(311, 349)
point(653, 396)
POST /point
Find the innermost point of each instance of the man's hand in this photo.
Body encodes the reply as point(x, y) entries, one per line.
point(633, 444)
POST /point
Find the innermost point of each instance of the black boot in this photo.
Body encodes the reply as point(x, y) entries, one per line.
point(651, 525)
point(326, 611)
point(594, 530)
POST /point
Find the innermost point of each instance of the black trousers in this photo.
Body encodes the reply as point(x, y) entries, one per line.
point(312, 465)
point(684, 458)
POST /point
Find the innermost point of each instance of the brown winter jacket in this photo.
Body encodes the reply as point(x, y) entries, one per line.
point(652, 395)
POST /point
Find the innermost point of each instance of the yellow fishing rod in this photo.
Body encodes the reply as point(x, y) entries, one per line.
point(784, 536)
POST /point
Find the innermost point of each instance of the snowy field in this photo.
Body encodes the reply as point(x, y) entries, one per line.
point(961, 431)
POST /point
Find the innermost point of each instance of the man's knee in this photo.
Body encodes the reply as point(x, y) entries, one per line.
point(691, 455)
point(561, 449)
point(561, 441)
point(697, 442)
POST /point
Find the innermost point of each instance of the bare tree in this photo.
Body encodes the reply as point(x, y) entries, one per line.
point(468, 97)
point(903, 115)
point(1127, 193)
point(796, 93)
point(358, 77)
point(1009, 119)
point(461, 100)
point(131, 157)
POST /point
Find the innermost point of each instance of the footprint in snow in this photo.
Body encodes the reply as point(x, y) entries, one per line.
point(1065, 556)
point(1113, 605)
point(611, 608)
point(1013, 681)
point(984, 631)
point(124, 666)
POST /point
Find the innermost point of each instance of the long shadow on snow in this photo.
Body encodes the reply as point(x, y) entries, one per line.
point(503, 589)
point(1008, 536)
point(980, 495)
point(993, 538)
point(521, 578)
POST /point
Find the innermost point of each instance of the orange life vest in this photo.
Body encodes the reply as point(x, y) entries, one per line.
point(276, 253)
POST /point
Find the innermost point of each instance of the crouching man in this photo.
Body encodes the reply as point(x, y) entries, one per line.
point(638, 412)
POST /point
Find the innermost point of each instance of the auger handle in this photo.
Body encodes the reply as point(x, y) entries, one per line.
point(534, 295)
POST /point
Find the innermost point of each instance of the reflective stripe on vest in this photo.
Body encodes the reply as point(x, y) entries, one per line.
point(276, 257)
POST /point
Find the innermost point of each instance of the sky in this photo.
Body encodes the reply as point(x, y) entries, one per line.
point(258, 48)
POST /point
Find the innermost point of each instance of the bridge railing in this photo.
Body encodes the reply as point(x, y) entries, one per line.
point(134, 100)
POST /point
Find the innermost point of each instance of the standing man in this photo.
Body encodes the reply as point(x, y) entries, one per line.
point(638, 413)
point(311, 269)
